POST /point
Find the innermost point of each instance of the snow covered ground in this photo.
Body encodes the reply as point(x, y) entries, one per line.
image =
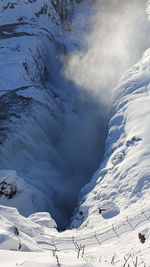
point(34, 241)
point(113, 208)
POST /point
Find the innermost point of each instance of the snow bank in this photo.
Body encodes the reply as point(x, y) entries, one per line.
point(43, 219)
point(16, 231)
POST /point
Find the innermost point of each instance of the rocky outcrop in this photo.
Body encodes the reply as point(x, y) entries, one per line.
point(64, 8)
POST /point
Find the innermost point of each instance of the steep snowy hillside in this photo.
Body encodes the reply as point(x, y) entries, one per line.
point(31, 112)
point(121, 184)
point(66, 113)
point(44, 121)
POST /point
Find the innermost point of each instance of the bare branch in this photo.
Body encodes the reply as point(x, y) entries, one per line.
point(113, 260)
point(126, 260)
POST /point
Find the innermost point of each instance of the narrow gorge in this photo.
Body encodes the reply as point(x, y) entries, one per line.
point(58, 75)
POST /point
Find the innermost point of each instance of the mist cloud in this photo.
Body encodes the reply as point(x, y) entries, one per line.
point(119, 36)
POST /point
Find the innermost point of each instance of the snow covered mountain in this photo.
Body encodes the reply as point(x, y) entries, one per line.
point(65, 129)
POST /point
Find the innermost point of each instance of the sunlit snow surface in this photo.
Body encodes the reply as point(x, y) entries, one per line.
point(120, 186)
point(40, 243)
point(123, 179)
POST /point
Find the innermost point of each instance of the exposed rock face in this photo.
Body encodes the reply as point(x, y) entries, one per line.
point(64, 9)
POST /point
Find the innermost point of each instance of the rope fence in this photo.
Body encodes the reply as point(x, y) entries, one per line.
point(99, 237)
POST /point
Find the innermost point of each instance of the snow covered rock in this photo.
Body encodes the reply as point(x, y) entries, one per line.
point(14, 191)
point(8, 239)
point(35, 13)
point(8, 187)
point(16, 232)
point(144, 234)
point(64, 9)
point(43, 219)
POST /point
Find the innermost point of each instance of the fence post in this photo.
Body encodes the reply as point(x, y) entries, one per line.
point(130, 223)
point(97, 239)
point(145, 215)
point(78, 248)
point(113, 228)
point(55, 248)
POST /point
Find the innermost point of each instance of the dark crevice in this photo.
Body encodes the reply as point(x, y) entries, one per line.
point(82, 144)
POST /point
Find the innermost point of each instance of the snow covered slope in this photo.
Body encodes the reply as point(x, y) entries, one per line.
point(121, 184)
point(44, 122)
point(41, 244)
point(31, 107)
